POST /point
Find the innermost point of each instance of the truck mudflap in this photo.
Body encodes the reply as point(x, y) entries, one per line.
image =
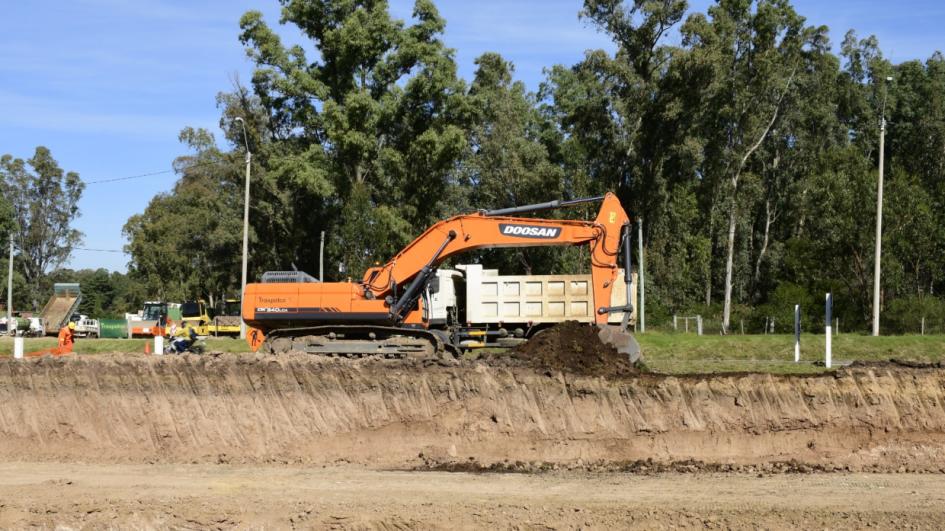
point(358, 341)
point(621, 339)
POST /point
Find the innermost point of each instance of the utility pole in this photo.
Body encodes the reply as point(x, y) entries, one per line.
point(879, 215)
point(10, 289)
point(249, 158)
point(642, 284)
point(321, 258)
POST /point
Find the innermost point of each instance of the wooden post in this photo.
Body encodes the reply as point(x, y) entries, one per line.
point(699, 325)
point(675, 328)
point(923, 325)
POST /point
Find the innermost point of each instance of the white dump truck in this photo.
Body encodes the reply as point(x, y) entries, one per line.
point(505, 310)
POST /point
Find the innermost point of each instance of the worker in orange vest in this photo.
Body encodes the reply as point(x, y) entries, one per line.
point(66, 338)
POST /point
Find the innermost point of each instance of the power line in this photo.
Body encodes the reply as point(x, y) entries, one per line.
point(128, 178)
point(153, 173)
point(97, 250)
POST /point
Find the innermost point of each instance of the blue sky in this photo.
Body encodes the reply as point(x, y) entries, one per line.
point(108, 84)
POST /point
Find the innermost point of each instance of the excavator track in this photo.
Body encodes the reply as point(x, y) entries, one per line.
point(361, 341)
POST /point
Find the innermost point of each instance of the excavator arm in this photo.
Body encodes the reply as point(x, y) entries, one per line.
point(417, 262)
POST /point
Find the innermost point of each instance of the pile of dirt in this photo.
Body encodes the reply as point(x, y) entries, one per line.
point(574, 348)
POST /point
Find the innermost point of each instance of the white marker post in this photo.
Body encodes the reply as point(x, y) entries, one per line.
point(18, 347)
point(828, 355)
point(158, 345)
point(797, 333)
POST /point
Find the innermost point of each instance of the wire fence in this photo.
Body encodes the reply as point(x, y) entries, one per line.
point(697, 324)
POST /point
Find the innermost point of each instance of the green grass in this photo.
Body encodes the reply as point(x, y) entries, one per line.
point(100, 346)
point(689, 353)
point(663, 352)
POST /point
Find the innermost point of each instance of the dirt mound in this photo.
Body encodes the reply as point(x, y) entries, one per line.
point(573, 347)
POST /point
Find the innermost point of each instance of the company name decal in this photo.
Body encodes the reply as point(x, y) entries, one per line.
point(529, 231)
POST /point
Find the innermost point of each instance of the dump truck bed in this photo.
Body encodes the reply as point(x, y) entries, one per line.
point(61, 306)
point(537, 299)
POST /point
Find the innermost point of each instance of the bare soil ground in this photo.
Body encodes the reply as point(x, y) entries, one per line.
point(226, 440)
point(76, 496)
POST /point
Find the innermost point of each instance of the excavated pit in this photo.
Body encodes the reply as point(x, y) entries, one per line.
point(471, 415)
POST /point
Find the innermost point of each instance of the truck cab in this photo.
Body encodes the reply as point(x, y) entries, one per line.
point(444, 299)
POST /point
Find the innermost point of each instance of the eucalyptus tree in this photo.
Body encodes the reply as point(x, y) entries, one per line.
point(372, 121)
point(185, 245)
point(45, 203)
point(744, 58)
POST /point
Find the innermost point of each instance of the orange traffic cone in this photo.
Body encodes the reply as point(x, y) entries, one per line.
point(147, 347)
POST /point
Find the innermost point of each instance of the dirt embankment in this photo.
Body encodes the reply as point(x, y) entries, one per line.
point(294, 409)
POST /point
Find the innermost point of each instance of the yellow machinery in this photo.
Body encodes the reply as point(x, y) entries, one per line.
point(226, 318)
point(195, 314)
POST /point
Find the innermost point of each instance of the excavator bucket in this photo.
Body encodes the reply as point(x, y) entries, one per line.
point(621, 339)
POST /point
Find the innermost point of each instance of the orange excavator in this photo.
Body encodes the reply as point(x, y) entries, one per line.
point(387, 313)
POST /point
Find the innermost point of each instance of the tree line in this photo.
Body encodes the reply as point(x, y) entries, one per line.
point(748, 147)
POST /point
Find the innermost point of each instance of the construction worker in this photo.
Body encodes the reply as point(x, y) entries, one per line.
point(189, 338)
point(66, 338)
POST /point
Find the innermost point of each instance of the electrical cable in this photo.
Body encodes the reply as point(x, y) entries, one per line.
point(97, 250)
point(153, 173)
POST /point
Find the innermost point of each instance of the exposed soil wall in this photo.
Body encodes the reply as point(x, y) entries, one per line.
point(294, 409)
